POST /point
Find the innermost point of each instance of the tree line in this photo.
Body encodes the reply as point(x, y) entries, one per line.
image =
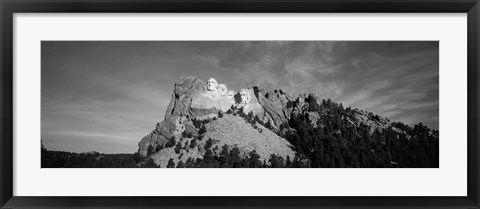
point(336, 142)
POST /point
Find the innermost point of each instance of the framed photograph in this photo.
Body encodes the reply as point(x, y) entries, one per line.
point(239, 104)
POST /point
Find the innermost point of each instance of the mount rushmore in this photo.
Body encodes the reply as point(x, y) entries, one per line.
point(207, 120)
point(194, 100)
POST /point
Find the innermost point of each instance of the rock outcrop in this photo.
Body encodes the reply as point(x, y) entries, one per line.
point(158, 137)
point(249, 103)
point(190, 99)
point(277, 105)
point(194, 100)
point(183, 92)
point(206, 103)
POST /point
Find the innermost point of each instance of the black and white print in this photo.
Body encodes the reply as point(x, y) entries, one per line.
point(240, 104)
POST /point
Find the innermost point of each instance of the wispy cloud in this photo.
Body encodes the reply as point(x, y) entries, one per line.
point(394, 79)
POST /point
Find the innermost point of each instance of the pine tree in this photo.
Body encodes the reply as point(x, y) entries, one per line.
point(225, 157)
point(269, 125)
point(208, 161)
point(202, 130)
point(250, 117)
point(288, 163)
point(171, 142)
point(254, 160)
point(276, 161)
point(235, 159)
point(190, 163)
point(193, 143)
point(209, 143)
point(178, 148)
point(180, 164)
point(158, 148)
point(150, 150)
point(171, 164)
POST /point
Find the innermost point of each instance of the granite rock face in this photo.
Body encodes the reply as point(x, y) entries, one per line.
point(185, 89)
point(277, 105)
point(158, 137)
point(191, 99)
point(251, 104)
point(179, 107)
point(206, 103)
point(194, 100)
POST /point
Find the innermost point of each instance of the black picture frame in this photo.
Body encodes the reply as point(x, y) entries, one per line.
point(9, 7)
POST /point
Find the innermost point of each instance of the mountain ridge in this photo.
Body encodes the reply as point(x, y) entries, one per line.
point(273, 111)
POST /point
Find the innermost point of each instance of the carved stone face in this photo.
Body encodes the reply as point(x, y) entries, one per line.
point(212, 84)
point(245, 96)
point(222, 89)
point(231, 96)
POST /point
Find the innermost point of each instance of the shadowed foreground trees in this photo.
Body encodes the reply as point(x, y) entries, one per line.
point(227, 159)
point(59, 159)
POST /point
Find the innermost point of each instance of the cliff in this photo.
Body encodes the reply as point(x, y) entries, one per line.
point(206, 118)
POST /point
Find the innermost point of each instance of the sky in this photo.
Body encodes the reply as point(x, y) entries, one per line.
point(106, 96)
